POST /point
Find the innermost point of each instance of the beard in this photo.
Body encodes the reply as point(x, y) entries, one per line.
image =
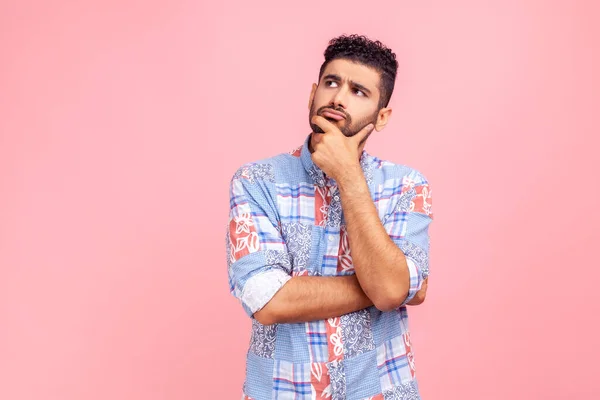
point(349, 127)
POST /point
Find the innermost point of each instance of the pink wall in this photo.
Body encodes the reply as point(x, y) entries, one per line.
point(122, 122)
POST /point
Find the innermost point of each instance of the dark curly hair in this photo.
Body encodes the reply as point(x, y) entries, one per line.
point(373, 53)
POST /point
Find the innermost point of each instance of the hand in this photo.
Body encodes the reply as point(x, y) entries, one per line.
point(336, 154)
point(420, 296)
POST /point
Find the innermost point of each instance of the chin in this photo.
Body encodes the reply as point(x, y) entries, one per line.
point(316, 128)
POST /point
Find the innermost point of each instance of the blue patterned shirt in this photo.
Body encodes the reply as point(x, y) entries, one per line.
point(286, 220)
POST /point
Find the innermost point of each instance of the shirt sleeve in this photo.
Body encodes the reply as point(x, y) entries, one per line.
point(257, 258)
point(408, 226)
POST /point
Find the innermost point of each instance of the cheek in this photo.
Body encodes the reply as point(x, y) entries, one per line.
point(320, 99)
point(366, 117)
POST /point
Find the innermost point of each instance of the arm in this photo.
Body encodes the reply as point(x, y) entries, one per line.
point(259, 266)
point(379, 264)
point(388, 277)
point(309, 298)
point(420, 296)
point(379, 251)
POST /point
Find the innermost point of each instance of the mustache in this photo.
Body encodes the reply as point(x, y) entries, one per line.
point(341, 110)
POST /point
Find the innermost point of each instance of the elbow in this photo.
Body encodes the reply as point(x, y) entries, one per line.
point(391, 299)
point(264, 317)
point(418, 299)
point(387, 304)
point(267, 315)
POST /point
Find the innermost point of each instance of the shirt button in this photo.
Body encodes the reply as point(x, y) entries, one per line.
point(336, 198)
point(330, 238)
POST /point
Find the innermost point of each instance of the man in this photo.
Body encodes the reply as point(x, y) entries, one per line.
point(327, 245)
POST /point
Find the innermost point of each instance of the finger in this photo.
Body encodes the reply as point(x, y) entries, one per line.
point(363, 133)
point(324, 124)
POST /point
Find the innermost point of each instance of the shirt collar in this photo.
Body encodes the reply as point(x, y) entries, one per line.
point(318, 176)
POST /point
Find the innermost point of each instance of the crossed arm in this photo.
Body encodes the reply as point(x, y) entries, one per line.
point(308, 298)
point(379, 264)
point(383, 277)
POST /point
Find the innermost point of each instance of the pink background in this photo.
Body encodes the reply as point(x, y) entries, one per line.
point(122, 122)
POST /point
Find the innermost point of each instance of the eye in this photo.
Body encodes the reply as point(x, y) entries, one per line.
point(327, 83)
point(359, 92)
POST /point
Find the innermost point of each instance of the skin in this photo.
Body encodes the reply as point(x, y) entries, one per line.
point(381, 273)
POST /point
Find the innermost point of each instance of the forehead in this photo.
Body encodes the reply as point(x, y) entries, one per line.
point(359, 73)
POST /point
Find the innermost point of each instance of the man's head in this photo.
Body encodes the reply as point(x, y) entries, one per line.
point(356, 81)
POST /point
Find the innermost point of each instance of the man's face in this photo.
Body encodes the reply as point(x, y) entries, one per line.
point(347, 95)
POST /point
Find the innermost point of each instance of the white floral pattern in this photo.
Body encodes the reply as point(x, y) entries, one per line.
point(279, 258)
point(367, 164)
point(421, 202)
point(321, 386)
point(317, 176)
point(245, 236)
point(345, 263)
point(323, 201)
point(357, 333)
point(335, 338)
point(262, 339)
point(334, 215)
point(407, 391)
point(337, 375)
point(418, 255)
point(229, 248)
point(256, 172)
point(298, 238)
point(405, 200)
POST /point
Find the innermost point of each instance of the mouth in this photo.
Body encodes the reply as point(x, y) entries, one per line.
point(332, 114)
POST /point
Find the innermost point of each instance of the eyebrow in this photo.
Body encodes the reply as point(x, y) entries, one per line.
point(337, 78)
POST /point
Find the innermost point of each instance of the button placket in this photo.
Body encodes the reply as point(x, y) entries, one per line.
point(333, 239)
point(334, 196)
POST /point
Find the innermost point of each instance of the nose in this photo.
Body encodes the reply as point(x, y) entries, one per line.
point(340, 98)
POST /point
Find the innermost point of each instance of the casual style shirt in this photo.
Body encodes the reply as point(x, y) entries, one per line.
point(286, 219)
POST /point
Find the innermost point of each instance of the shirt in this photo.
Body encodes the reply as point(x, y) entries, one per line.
point(286, 219)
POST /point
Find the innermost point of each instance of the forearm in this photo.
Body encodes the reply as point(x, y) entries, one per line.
point(310, 298)
point(379, 264)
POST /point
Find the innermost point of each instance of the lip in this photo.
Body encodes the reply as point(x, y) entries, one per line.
point(333, 114)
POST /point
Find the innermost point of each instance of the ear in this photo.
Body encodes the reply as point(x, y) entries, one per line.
point(383, 117)
point(312, 95)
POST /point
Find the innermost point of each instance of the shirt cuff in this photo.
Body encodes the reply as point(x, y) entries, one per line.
point(261, 288)
point(415, 280)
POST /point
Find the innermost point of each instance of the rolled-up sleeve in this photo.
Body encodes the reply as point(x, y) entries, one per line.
point(257, 258)
point(408, 227)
